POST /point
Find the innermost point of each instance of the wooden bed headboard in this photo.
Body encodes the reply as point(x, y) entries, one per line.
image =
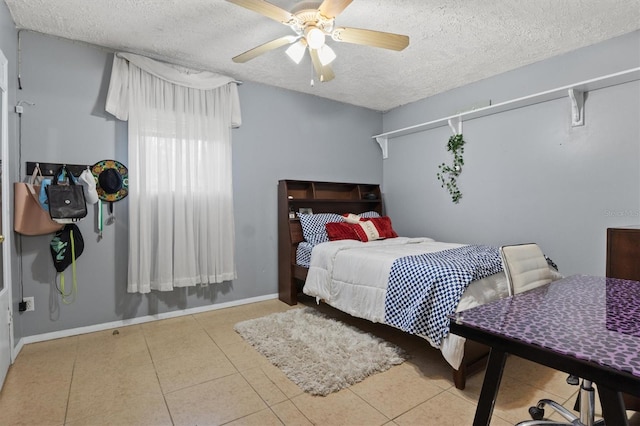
point(320, 197)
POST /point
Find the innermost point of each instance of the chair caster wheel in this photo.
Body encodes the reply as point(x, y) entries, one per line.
point(536, 413)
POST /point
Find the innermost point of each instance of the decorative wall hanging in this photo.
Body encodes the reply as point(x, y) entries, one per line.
point(112, 180)
point(448, 175)
point(112, 184)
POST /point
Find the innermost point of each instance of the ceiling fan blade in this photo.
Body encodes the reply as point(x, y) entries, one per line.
point(371, 38)
point(263, 48)
point(325, 73)
point(332, 8)
point(265, 8)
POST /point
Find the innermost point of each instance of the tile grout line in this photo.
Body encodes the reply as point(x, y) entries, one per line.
point(155, 370)
point(73, 370)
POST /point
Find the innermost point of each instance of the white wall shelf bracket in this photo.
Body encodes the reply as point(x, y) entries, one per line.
point(577, 107)
point(384, 145)
point(455, 130)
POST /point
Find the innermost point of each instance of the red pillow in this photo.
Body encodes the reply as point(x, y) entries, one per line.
point(341, 231)
point(375, 228)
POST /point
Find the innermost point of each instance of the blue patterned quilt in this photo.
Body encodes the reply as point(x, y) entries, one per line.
point(424, 289)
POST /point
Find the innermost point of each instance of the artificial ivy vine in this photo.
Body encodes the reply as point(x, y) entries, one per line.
point(448, 175)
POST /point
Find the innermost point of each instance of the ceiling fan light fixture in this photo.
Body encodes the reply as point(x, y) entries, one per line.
point(314, 36)
point(326, 55)
point(296, 52)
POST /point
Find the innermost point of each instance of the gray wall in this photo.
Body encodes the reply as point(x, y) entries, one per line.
point(285, 135)
point(528, 175)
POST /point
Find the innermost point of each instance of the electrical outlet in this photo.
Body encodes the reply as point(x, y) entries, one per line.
point(30, 303)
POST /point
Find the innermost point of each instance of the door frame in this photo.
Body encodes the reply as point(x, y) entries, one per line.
point(7, 202)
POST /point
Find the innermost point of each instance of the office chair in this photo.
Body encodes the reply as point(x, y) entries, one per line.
point(526, 268)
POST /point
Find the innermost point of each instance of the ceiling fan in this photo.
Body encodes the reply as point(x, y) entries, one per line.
point(312, 22)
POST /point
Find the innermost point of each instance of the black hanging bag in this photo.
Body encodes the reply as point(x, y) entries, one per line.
point(66, 198)
point(66, 246)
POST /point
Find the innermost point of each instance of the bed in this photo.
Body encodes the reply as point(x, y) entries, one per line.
point(354, 276)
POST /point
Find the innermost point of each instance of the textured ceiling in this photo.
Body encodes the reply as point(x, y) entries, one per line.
point(452, 42)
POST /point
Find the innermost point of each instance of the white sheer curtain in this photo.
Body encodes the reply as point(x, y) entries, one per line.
point(181, 230)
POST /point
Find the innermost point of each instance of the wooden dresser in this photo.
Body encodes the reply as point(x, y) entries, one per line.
point(623, 261)
point(623, 252)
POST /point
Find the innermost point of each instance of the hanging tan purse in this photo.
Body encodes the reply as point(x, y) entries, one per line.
point(29, 218)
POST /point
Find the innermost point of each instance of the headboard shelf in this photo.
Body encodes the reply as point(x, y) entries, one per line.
point(319, 197)
point(326, 191)
point(333, 200)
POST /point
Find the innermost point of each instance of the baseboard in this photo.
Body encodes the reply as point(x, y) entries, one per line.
point(139, 320)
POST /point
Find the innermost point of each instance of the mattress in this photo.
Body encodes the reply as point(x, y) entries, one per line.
point(352, 276)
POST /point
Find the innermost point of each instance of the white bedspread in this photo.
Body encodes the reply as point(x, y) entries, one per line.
point(352, 276)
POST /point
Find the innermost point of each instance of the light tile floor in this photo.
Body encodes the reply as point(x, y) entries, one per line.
point(196, 370)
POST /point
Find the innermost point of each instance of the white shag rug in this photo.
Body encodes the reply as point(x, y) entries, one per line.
point(319, 354)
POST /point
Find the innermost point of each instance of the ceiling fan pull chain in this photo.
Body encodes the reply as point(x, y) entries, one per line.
point(312, 82)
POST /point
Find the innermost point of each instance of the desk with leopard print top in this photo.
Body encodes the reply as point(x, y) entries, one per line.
point(583, 325)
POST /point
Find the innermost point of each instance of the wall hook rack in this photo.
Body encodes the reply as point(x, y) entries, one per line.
point(50, 169)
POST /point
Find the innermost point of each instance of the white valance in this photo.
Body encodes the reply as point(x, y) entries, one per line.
point(117, 96)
